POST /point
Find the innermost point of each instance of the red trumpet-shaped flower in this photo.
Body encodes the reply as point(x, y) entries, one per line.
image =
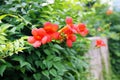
point(44, 35)
point(100, 43)
point(70, 39)
point(69, 21)
point(69, 30)
point(82, 30)
point(38, 33)
point(51, 30)
point(39, 37)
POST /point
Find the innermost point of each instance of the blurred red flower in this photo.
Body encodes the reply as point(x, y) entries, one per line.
point(39, 37)
point(69, 30)
point(70, 39)
point(109, 12)
point(82, 30)
point(69, 21)
point(99, 43)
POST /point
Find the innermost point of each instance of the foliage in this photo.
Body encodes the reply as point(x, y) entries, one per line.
point(52, 61)
point(8, 47)
point(114, 44)
point(49, 62)
point(103, 24)
point(110, 26)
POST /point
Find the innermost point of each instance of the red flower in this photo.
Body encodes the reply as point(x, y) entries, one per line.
point(70, 28)
point(71, 37)
point(55, 35)
point(66, 30)
point(51, 29)
point(36, 44)
point(82, 30)
point(44, 40)
point(100, 43)
point(69, 43)
point(109, 12)
point(39, 37)
point(69, 21)
point(44, 35)
point(31, 39)
point(38, 33)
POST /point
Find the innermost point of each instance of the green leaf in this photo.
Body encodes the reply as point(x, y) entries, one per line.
point(2, 16)
point(58, 46)
point(46, 73)
point(5, 27)
point(37, 63)
point(50, 57)
point(38, 53)
point(2, 69)
point(37, 76)
point(47, 63)
point(2, 60)
point(23, 63)
point(47, 51)
point(40, 64)
point(71, 77)
point(60, 68)
point(20, 26)
point(22, 70)
point(57, 59)
point(58, 78)
point(53, 72)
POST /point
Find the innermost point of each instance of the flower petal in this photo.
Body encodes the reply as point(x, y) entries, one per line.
point(31, 39)
point(36, 44)
point(47, 24)
point(41, 32)
point(35, 32)
point(50, 28)
point(69, 43)
point(55, 35)
point(73, 38)
point(44, 40)
point(81, 27)
point(69, 20)
point(49, 38)
point(55, 27)
point(84, 32)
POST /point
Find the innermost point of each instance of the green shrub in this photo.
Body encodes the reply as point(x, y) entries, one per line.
point(49, 62)
point(114, 43)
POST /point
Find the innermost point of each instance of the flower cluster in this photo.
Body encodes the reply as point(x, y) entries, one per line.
point(71, 29)
point(50, 32)
point(43, 35)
